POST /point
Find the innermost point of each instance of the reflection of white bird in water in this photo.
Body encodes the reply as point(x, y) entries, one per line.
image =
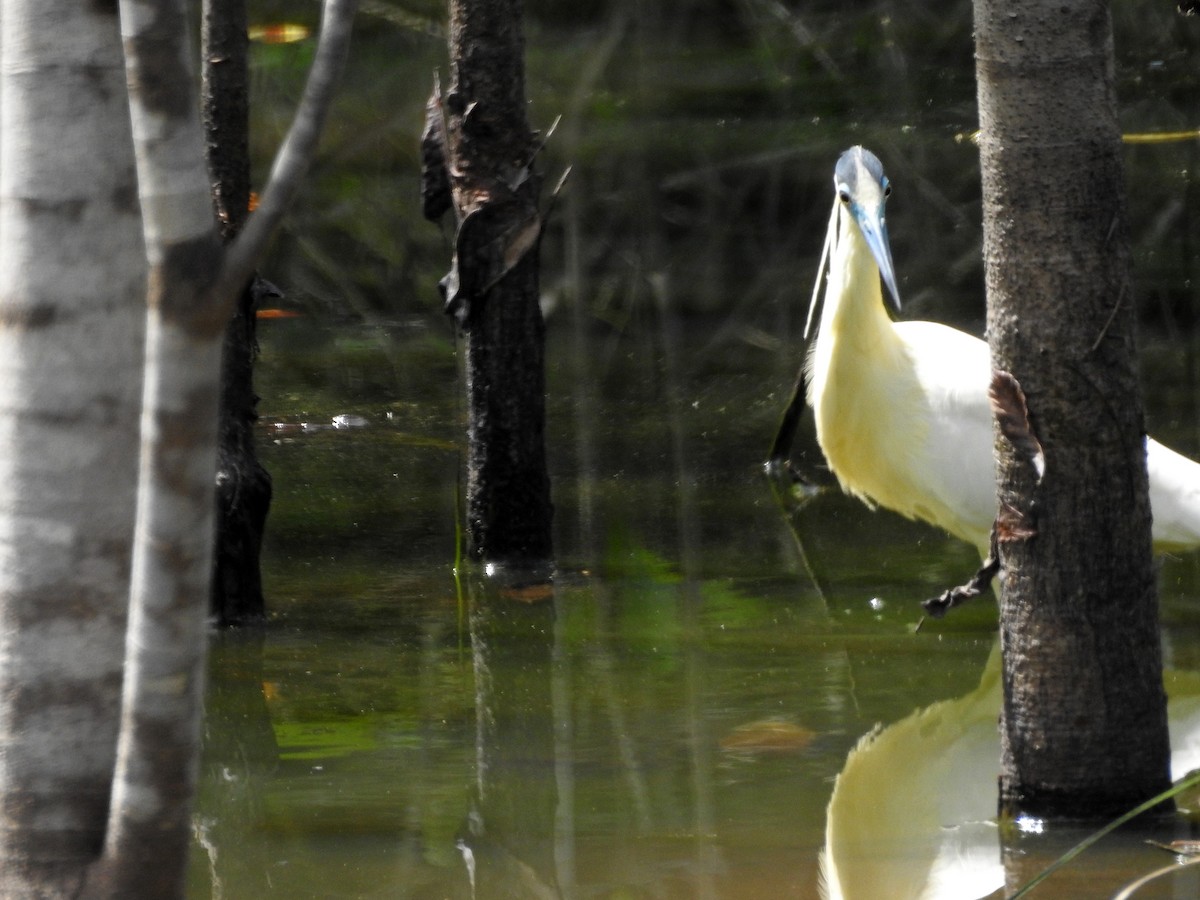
point(931, 833)
point(902, 409)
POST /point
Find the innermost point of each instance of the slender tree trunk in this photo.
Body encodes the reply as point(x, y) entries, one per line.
point(493, 287)
point(97, 765)
point(1084, 729)
point(72, 283)
point(158, 747)
point(193, 283)
point(243, 484)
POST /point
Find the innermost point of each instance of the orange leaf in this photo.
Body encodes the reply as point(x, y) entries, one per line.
point(279, 33)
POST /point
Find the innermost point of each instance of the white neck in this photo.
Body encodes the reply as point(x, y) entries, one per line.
point(853, 309)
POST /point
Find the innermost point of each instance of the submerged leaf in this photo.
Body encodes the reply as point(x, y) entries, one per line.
point(768, 736)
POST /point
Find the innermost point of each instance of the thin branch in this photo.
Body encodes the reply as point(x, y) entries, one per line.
point(298, 149)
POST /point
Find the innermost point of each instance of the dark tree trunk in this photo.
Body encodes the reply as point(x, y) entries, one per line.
point(1084, 727)
point(492, 289)
point(243, 485)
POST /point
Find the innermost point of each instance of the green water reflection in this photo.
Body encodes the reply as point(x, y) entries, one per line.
point(669, 719)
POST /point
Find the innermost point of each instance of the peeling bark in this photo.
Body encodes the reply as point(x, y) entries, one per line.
point(492, 289)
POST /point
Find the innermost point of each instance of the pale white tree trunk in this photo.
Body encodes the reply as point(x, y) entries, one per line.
point(148, 835)
point(72, 283)
point(192, 286)
point(74, 243)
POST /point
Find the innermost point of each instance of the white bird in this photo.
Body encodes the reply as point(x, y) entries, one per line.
point(902, 409)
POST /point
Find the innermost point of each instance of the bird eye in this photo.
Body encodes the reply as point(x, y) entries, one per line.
point(887, 189)
point(844, 194)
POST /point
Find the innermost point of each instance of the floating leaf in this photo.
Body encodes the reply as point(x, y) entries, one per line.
point(277, 314)
point(279, 33)
point(1180, 847)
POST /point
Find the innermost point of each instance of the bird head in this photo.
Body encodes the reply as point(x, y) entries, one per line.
point(862, 191)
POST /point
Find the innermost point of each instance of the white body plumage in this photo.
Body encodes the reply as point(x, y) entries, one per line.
point(901, 408)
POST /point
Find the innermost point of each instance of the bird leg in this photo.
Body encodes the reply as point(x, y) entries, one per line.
point(778, 462)
point(1012, 415)
point(937, 607)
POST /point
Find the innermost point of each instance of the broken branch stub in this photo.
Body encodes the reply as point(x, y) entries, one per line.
point(1012, 415)
point(436, 196)
point(491, 240)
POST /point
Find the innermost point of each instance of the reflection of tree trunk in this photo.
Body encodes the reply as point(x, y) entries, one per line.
point(239, 754)
point(699, 740)
point(510, 836)
point(561, 697)
point(700, 745)
point(493, 287)
point(1084, 724)
point(243, 485)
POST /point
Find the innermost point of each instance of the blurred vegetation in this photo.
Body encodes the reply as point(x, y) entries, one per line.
point(677, 267)
point(701, 136)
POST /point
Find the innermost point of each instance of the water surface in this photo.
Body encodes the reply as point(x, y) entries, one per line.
point(668, 717)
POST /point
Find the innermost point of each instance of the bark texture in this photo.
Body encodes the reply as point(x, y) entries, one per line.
point(243, 484)
point(493, 289)
point(148, 834)
point(1084, 729)
point(193, 283)
point(86, 701)
point(72, 283)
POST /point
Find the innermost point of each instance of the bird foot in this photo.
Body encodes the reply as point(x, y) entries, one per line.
point(937, 607)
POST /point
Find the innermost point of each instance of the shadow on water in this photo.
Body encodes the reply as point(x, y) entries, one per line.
point(671, 716)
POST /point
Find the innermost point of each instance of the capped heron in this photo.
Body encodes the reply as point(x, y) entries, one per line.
point(901, 408)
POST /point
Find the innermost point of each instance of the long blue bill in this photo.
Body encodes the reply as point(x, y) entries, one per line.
point(874, 230)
